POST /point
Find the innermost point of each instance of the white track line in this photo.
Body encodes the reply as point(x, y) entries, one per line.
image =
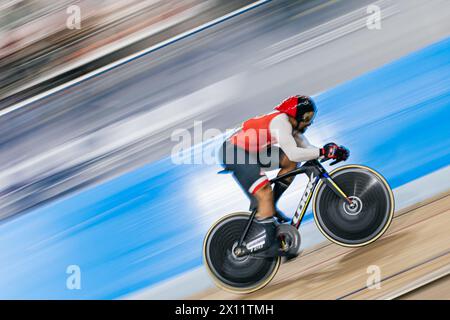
point(130, 58)
point(417, 283)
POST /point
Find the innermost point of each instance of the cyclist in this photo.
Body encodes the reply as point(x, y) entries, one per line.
point(272, 141)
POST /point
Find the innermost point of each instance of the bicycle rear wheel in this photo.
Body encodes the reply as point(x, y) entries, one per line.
point(229, 272)
point(369, 216)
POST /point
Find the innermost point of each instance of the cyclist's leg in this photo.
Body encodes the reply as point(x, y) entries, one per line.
point(266, 207)
point(256, 185)
point(252, 179)
point(286, 166)
point(248, 172)
point(272, 159)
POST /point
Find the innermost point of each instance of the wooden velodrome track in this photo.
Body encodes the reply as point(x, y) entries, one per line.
point(413, 257)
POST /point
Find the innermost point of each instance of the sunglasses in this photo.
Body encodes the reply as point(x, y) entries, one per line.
point(308, 118)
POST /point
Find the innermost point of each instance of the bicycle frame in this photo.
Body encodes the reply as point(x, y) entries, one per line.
point(315, 171)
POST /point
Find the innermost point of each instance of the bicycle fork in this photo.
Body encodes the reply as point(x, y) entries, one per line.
point(338, 191)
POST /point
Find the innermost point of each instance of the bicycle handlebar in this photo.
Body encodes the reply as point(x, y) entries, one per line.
point(332, 163)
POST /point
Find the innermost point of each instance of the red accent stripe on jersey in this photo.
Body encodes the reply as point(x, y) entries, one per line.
point(258, 184)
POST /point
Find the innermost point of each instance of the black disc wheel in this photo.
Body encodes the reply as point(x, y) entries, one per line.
point(361, 222)
point(230, 272)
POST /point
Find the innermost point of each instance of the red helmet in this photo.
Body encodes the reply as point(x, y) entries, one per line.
point(297, 106)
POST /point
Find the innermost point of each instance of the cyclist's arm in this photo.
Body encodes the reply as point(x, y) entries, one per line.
point(281, 130)
point(302, 141)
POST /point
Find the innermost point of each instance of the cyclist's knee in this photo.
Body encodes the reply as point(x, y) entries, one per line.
point(287, 164)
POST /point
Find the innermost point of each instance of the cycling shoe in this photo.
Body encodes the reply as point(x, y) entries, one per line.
point(265, 235)
point(281, 217)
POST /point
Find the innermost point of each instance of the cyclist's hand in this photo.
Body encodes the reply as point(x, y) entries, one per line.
point(342, 153)
point(329, 151)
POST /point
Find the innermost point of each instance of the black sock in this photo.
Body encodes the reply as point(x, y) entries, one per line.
point(279, 189)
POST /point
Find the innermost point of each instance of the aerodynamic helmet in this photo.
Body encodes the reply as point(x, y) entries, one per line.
point(297, 106)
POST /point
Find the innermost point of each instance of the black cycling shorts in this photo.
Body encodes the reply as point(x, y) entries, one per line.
point(248, 168)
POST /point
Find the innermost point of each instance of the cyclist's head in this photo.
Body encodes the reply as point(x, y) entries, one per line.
point(302, 108)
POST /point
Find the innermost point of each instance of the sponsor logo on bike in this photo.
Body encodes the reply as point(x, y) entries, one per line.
point(308, 190)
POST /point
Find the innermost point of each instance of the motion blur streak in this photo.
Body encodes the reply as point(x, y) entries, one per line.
point(148, 225)
point(40, 39)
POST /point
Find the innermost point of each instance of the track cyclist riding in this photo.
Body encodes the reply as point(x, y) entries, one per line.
point(353, 205)
point(253, 148)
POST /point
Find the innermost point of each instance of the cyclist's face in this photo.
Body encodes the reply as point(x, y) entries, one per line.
point(306, 121)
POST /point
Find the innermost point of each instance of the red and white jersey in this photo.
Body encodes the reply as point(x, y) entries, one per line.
point(258, 133)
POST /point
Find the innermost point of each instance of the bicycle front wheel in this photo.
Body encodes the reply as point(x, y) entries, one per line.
point(366, 219)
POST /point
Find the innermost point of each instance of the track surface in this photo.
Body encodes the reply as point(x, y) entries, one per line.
point(436, 290)
point(413, 251)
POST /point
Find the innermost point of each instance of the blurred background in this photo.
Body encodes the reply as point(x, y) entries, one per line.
point(87, 178)
point(36, 44)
